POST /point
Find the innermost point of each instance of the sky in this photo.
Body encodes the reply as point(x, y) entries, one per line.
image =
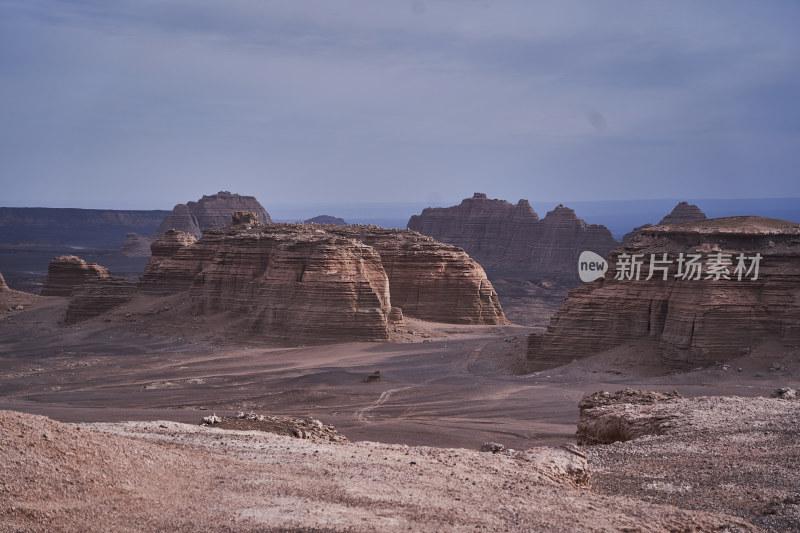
point(142, 104)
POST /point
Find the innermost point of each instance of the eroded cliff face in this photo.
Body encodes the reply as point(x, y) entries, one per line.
point(66, 272)
point(511, 241)
point(313, 283)
point(210, 212)
point(695, 316)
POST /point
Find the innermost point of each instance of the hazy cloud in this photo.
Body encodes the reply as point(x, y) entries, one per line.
point(147, 103)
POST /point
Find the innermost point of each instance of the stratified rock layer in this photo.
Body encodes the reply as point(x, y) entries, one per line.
point(210, 212)
point(95, 298)
point(308, 283)
point(683, 212)
point(510, 241)
point(689, 321)
point(66, 272)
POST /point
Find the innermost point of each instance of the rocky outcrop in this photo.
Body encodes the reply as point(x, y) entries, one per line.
point(292, 283)
point(66, 272)
point(614, 417)
point(210, 212)
point(744, 291)
point(683, 212)
point(326, 219)
point(97, 297)
point(174, 263)
point(3, 286)
point(510, 241)
point(431, 280)
point(293, 287)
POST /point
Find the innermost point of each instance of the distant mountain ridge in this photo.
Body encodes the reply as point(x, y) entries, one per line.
point(100, 228)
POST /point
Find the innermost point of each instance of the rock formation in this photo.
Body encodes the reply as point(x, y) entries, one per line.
point(717, 288)
point(683, 212)
point(510, 241)
point(66, 272)
point(293, 283)
point(326, 219)
point(209, 212)
point(3, 286)
point(97, 297)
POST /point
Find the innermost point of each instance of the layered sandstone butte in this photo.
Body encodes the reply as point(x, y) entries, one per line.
point(297, 283)
point(683, 212)
point(746, 292)
point(210, 212)
point(510, 241)
point(66, 272)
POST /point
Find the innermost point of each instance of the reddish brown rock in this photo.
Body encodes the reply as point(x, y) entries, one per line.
point(294, 283)
point(67, 272)
point(173, 264)
point(97, 297)
point(296, 288)
point(689, 321)
point(683, 212)
point(510, 241)
point(210, 212)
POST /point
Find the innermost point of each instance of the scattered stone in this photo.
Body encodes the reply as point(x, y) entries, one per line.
point(785, 393)
point(211, 420)
point(300, 428)
point(494, 447)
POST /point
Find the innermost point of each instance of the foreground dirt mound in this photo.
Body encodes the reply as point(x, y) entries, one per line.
point(150, 476)
point(733, 455)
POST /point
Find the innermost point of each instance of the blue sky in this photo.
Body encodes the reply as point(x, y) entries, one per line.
point(145, 103)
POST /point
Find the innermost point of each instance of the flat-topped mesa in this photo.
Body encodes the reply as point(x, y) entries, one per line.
point(307, 283)
point(66, 272)
point(682, 212)
point(718, 288)
point(210, 212)
point(511, 241)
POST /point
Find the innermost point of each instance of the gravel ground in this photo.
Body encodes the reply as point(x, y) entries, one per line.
point(155, 476)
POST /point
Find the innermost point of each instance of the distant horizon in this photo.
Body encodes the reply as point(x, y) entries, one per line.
point(440, 203)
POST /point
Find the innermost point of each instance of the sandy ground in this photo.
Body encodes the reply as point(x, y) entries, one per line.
point(442, 386)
